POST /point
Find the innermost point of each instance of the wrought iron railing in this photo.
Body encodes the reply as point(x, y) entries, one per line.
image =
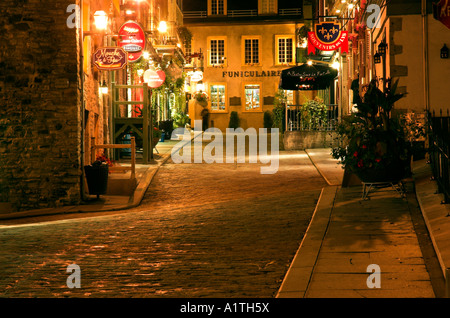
point(294, 120)
point(240, 13)
point(439, 151)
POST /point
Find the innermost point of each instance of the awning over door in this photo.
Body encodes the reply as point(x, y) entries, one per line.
point(307, 77)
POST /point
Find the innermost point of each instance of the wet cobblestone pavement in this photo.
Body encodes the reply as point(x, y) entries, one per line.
point(202, 230)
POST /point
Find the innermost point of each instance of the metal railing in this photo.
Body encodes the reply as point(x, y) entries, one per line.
point(240, 13)
point(294, 119)
point(439, 135)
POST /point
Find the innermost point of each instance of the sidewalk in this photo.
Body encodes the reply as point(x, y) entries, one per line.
point(144, 176)
point(347, 234)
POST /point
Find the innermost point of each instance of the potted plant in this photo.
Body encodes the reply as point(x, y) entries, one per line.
point(97, 175)
point(201, 98)
point(374, 145)
point(157, 134)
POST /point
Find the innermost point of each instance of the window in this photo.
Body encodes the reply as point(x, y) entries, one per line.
point(217, 7)
point(217, 51)
point(251, 50)
point(252, 93)
point(289, 97)
point(285, 49)
point(267, 6)
point(217, 94)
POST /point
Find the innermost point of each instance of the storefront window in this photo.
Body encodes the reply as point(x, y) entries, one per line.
point(218, 98)
point(252, 96)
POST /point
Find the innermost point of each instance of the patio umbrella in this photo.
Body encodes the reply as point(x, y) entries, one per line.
point(307, 77)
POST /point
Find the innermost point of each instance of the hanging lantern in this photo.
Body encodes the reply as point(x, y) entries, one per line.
point(444, 52)
point(377, 58)
point(101, 20)
point(382, 48)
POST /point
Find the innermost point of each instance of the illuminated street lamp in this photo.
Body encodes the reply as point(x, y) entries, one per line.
point(162, 28)
point(101, 20)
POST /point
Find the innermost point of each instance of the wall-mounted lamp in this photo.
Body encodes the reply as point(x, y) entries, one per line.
point(377, 58)
point(103, 88)
point(444, 52)
point(101, 20)
point(162, 28)
point(382, 48)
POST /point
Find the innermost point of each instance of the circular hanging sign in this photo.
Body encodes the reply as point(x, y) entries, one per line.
point(132, 40)
point(153, 78)
point(197, 76)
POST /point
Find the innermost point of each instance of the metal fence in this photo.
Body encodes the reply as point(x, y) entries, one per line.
point(439, 135)
point(295, 121)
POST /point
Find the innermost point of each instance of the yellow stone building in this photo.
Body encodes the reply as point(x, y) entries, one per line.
point(241, 53)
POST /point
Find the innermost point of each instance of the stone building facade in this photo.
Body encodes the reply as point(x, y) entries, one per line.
point(40, 107)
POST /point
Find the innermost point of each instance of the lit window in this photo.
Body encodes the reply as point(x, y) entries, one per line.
point(217, 52)
point(251, 50)
point(252, 93)
point(285, 50)
point(217, 94)
point(289, 97)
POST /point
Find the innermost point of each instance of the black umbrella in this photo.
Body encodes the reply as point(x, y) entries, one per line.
point(307, 77)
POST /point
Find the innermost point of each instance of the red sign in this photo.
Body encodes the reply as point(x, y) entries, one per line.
point(153, 78)
point(327, 36)
point(442, 12)
point(132, 40)
point(110, 58)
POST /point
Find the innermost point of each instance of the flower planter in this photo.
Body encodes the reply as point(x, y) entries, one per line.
point(392, 173)
point(97, 178)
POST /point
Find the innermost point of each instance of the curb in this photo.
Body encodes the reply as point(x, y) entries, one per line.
point(435, 215)
point(296, 281)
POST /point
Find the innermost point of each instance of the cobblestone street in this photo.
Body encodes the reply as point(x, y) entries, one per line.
point(202, 230)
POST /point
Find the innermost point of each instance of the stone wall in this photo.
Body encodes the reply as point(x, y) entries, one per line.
point(40, 130)
point(301, 140)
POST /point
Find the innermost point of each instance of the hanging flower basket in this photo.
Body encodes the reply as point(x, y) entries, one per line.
point(201, 98)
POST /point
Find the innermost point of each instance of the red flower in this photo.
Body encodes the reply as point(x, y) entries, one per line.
point(360, 164)
point(378, 159)
point(364, 147)
point(355, 154)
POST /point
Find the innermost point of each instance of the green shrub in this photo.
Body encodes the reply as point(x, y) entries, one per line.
point(234, 120)
point(268, 119)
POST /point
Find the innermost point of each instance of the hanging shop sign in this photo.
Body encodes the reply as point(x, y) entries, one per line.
point(110, 58)
point(441, 12)
point(153, 78)
point(307, 77)
point(132, 40)
point(327, 36)
point(196, 76)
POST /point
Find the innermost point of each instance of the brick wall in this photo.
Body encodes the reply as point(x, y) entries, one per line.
point(40, 118)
